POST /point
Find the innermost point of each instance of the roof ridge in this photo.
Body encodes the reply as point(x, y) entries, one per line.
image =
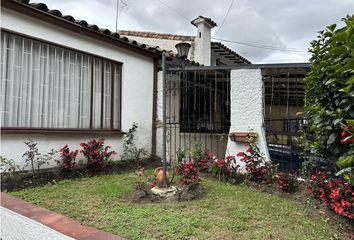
point(158, 35)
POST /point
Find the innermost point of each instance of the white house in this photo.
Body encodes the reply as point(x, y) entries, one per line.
point(64, 81)
point(191, 120)
point(276, 94)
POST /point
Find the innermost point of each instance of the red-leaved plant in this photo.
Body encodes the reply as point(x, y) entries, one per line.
point(258, 168)
point(188, 174)
point(318, 184)
point(204, 163)
point(224, 168)
point(337, 194)
point(96, 153)
point(67, 159)
point(347, 134)
point(287, 181)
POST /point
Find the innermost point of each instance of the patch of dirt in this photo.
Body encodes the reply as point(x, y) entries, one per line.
point(143, 194)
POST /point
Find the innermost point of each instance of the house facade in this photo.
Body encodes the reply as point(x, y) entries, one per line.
point(64, 81)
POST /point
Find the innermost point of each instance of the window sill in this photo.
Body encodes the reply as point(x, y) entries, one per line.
point(60, 131)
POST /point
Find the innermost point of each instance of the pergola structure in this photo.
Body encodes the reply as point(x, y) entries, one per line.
point(230, 57)
point(284, 86)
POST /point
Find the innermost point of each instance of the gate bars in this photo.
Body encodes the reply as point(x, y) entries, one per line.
point(197, 112)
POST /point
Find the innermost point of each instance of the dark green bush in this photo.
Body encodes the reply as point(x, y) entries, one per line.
point(329, 89)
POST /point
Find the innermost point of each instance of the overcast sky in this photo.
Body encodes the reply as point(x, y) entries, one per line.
point(275, 23)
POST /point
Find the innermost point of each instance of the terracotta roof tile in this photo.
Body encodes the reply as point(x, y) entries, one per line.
point(208, 20)
point(177, 37)
point(156, 35)
point(82, 23)
point(121, 35)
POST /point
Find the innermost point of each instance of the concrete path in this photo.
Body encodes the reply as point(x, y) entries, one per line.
point(15, 226)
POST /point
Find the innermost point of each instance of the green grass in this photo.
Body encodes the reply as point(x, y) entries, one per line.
point(227, 212)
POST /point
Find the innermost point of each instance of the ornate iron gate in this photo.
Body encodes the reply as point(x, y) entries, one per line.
point(198, 112)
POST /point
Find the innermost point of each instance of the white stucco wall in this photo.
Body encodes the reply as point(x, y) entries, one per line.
point(247, 111)
point(166, 44)
point(137, 87)
point(17, 227)
point(202, 52)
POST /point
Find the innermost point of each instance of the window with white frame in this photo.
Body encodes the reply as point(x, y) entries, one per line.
point(46, 86)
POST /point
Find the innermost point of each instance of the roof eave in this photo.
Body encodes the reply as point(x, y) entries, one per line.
point(61, 22)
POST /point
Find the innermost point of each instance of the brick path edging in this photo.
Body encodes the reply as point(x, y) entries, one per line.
point(53, 220)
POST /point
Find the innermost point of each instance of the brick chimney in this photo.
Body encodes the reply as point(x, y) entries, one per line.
point(202, 43)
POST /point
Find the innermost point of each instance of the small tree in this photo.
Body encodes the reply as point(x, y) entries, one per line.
point(329, 89)
point(34, 158)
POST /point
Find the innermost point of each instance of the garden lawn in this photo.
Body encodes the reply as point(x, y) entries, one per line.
point(227, 212)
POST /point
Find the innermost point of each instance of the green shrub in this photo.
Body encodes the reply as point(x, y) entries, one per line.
point(329, 89)
point(9, 166)
point(96, 153)
point(130, 150)
point(34, 159)
point(346, 162)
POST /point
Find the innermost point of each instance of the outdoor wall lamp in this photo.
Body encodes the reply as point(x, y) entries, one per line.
point(183, 49)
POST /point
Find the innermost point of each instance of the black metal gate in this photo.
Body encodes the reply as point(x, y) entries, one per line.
point(284, 119)
point(198, 112)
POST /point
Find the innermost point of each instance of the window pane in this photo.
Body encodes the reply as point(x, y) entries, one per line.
point(45, 86)
point(97, 92)
point(85, 92)
point(107, 96)
point(117, 92)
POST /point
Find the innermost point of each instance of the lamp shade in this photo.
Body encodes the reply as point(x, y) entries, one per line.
point(183, 49)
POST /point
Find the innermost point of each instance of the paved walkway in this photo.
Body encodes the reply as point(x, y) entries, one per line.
point(21, 220)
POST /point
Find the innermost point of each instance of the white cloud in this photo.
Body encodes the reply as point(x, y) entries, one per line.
point(279, 23)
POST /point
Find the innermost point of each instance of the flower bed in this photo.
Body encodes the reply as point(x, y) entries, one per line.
point(337, 194)
point(226, 212)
